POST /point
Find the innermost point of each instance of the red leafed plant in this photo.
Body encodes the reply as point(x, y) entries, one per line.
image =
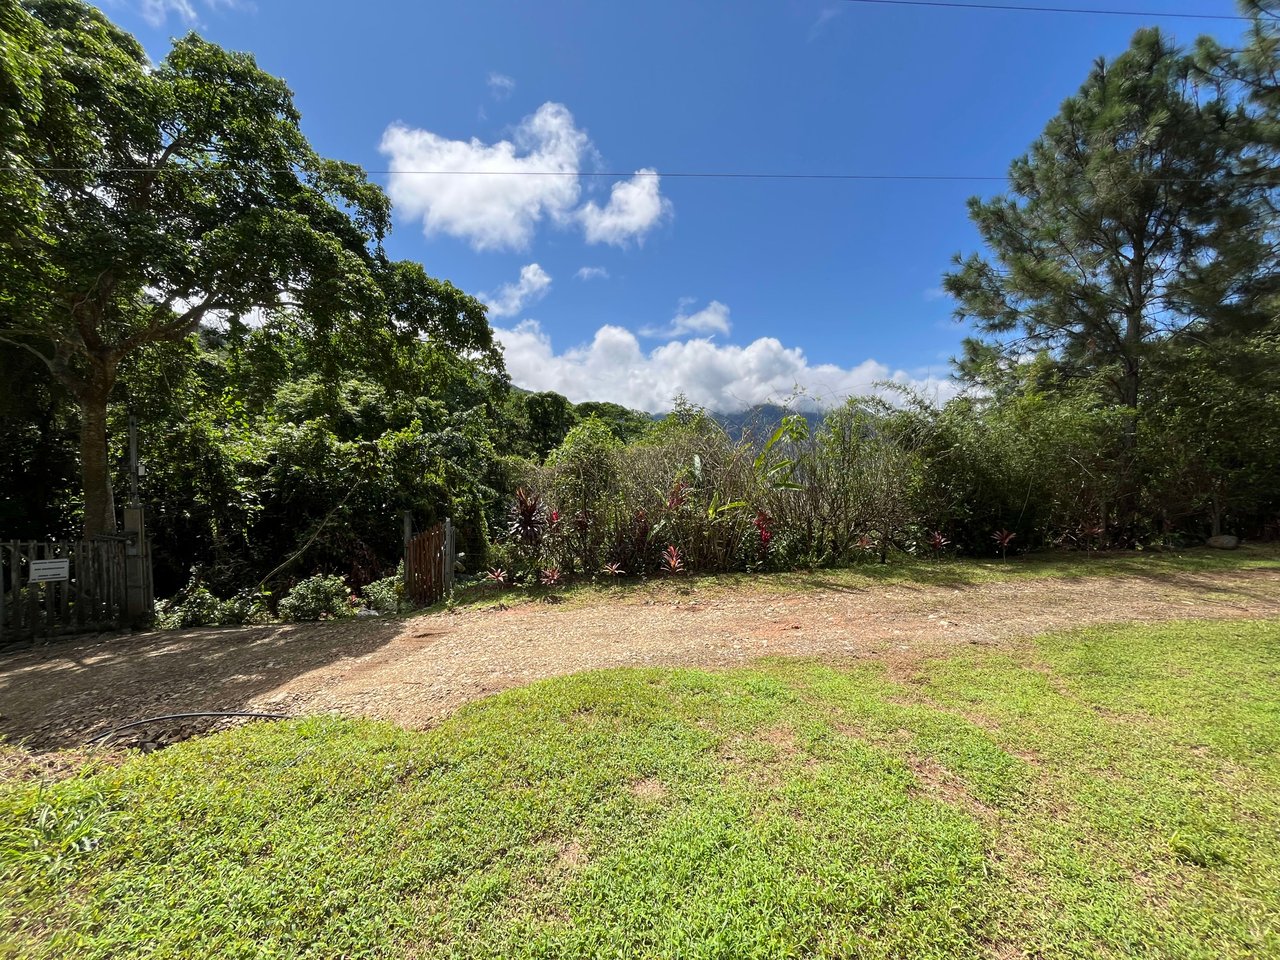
point(679, 495)
point(672, 560)
point(528, 518)
point(497, 576)
point(550, 577)
point(1003, 538)
point(938, 542)
point(613, 569)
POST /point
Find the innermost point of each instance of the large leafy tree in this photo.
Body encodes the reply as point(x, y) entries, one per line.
point(1125, 226)
point(147, 200)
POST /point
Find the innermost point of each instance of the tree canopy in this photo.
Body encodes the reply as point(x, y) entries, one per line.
point(152, 199)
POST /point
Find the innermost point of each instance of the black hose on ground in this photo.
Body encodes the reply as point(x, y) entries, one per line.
point(105, 737)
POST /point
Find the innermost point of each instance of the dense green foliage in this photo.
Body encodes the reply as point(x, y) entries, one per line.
point(1108, 793)
point(296, 391)
point(157, 198)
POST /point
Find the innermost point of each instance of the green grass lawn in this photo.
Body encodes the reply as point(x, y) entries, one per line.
point(949, 572)
point(1108, 793)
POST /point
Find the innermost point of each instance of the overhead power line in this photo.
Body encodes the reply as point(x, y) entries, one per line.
point(1028, 8)
point(672, 175)
point(687, 175)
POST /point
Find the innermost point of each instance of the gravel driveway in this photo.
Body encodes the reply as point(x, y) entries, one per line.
point(415, 671)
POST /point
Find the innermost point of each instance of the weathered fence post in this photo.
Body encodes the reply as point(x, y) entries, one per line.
point(449, 554)
point(407, 518)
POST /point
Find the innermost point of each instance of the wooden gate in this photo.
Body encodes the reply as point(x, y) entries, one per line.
point(92, 596)
point(428, 564)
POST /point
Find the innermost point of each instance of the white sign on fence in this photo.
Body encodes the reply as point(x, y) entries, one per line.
point(43, 571)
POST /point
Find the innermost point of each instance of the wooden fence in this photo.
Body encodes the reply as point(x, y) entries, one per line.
point(428, 564)
point(93, 596)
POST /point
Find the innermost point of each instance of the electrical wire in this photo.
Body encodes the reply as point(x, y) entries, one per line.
point(671, 175)
point(1028, 8)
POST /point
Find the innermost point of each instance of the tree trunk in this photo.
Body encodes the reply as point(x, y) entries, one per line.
point(1129, 396)
point(95, 467)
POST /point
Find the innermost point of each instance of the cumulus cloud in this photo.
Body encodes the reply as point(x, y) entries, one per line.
point(635, 207)
point(592, 273)
point(495, 195)
point(713, 318)
point(722, 377)
point(500, 205)
point(511, 298)
point(500, 85)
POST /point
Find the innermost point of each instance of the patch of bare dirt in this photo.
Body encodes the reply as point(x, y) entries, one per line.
point(570, 855)
point(417, 671)
point(940, 783)
point(650, 788)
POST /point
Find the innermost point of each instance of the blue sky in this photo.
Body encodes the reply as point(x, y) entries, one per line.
point(634, 288)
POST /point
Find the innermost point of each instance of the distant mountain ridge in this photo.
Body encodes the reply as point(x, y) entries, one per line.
point(758, 421)
point(761, 420)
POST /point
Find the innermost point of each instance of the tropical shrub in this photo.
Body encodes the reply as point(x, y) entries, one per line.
point(385, 595)
point(322, 597)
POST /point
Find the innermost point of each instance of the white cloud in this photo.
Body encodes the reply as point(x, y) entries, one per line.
point(614, 367)
point(592, 273)
point(492, 195)
point(713, 318)
point(500, 85)
point(157, 12)
point(511, 298)
point(936, 293)
point(500, 205)
point(635, 207)
point(825, 16)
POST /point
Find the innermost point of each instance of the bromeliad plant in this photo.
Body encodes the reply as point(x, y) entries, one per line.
point(496, 577)
point(1003, 538)
point(672, 560)
point(613, 570)
point(937, 543)
point(551, 577)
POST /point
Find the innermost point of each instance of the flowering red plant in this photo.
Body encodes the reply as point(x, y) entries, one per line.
point(550, 577)
point(497, 576)
point(613, 569)
point(762, 522)
point(938, 542)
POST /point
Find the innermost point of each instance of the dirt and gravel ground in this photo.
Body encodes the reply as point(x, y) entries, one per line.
point(416, 671)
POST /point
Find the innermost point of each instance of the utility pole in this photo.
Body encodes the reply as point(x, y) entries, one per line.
point(133, 461)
